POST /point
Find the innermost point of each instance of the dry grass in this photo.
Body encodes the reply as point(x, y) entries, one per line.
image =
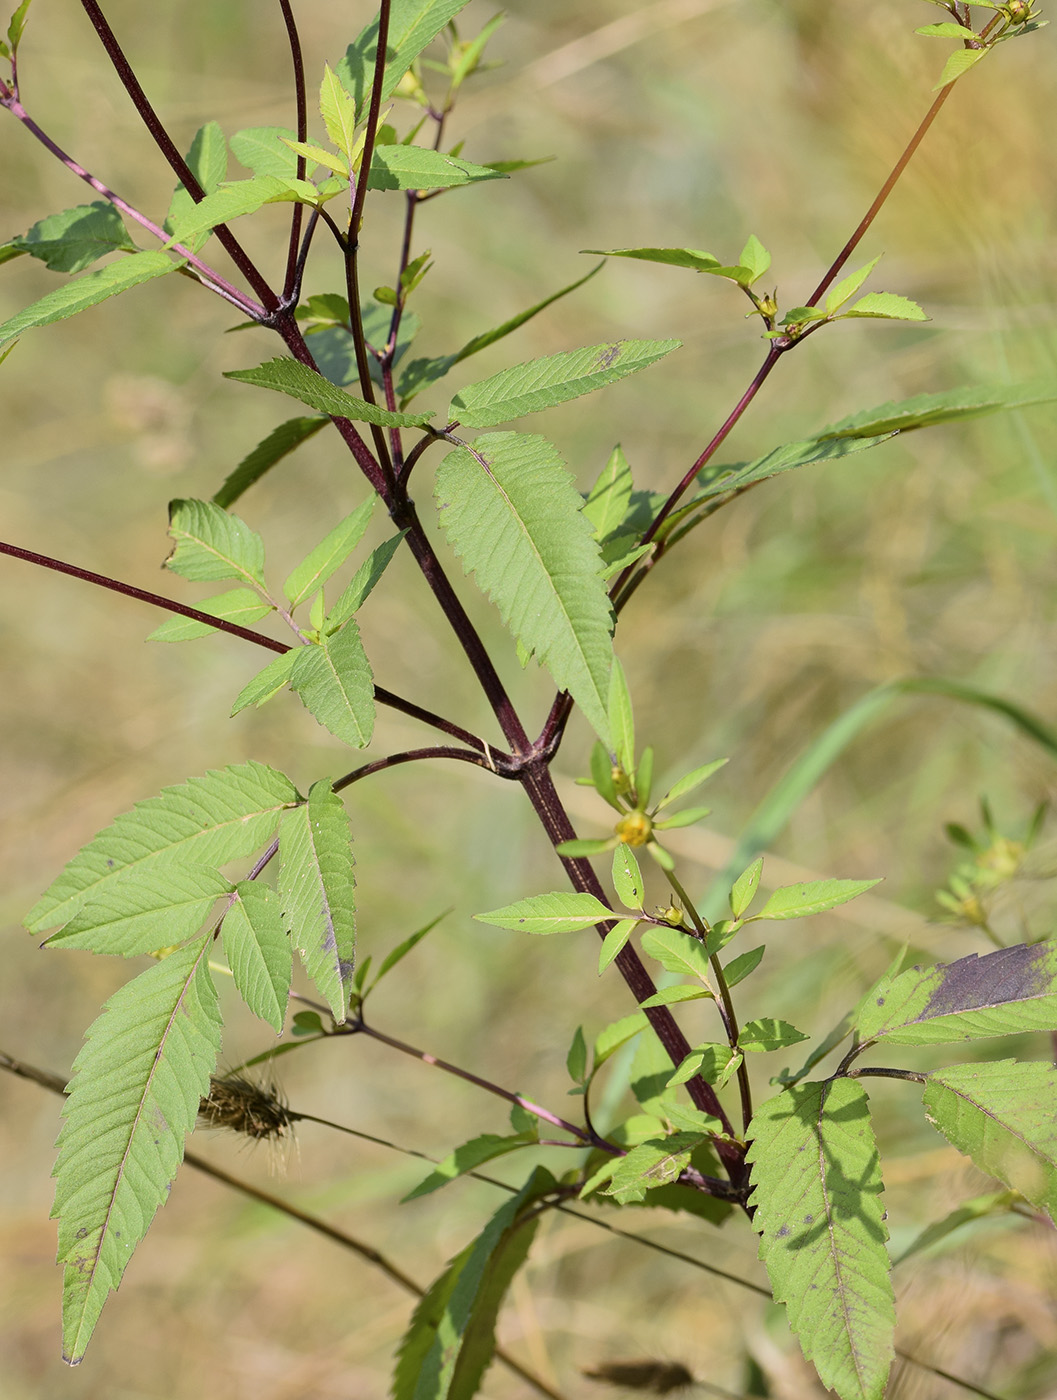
point(675, 123)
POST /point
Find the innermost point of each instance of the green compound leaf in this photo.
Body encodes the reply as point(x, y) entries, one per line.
point(208, 161)
point(416, 168)
point(334, 680)
point(451, 1339)
point(211, 544)
point(819, 1209)
point(815, 897)
point(143, 911)
point(225, 815)
point(925, 410)
point(1009, 992)
point(76, 238)
point(137, 1084)
point(258, 951)
point(279, 443)
point(317, 891)
point(87, 291)
point(329, 555)
point(287, 376)
point(549, 913)
point(1004, 1116)
point(241, 605)
point(554, 379)
point(412, 25)
point(474, 1153)
point(515, 519)
point(267, 683)
point(234, 200)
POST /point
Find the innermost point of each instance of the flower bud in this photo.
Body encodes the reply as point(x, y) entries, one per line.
point(635, 829)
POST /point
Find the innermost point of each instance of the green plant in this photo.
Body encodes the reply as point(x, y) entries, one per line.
point(560, 569)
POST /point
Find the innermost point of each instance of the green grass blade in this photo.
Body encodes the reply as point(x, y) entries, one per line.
point(137, 1085)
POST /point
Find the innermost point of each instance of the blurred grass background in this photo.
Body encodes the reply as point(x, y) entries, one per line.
point(681, 122)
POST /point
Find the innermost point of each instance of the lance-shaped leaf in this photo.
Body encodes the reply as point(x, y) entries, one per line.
point(925, 410)
point(1004, 1116)
point(241, 197)
point(677, 952)
point(225, 815)
point(784, 459)
point(554, 379)
point(211, 544)
point(329, 554)
point(362, 583)
point(694, 258)
point(287, 376)
point(279, 442)
point(241, 605)
point(1008, 992)
point(317, 890)
point(515, 518)
point(609, 498)
point(76, 238)
point(87, 291)
point(818, 1199)
point(451, 1339)
point(417, 168)
point(886, 306)
point(549, 913)
point(474, 1153)
point(267, 683)
point(258, 951)
point(143, 911)
point(208, 162)
point(412, 25)
point(137, 1084)
point(815, 897)
point(333, 678)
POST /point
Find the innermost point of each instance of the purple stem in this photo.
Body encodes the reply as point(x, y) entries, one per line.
point(292, 280)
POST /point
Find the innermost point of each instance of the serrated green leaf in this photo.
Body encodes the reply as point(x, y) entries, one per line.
point(690, 782)
point(887, 306)
point(768, 1034)
point(675, 996)
point(1004, 1116)
point(608, 499)
point(959, 62)
point(363, 582)
point(240, 605)
point(317, 892)
point(211, 544)
point(1008, 992)
point(819, 1209)
point(674, 257)
point(418, 168)
point(76, 238)
point(677, 952)
point(208, 821)
point(739, 968)
point(268, 682)
point(286, 376)
point(329, 555)
point(621, 718)
point(412, 25)
point(549, 913)
point(262, 149)
point(656, 1163)
point(848, 286)
point(554, 379)
point(208, 162)
point(137, 1084)
point(514, 517)
point(627, 877)
point(279, 442)
point(237, 199)
point(925, 410)
point(755, 258)
point(316, 155)
point(618, 1033)
point(815, 897)
point(334, 680)
point(258, 951)
point(88, 290)
point(614, 942)
point(451, 1339)
point(745, 887)
point(713, 1063)
point(143, 911)
point(468, 1157)
point(338, 111)
point(948, 30)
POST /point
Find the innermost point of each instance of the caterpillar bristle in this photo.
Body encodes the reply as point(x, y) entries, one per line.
point(244, 1107)
point(653, 1377)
